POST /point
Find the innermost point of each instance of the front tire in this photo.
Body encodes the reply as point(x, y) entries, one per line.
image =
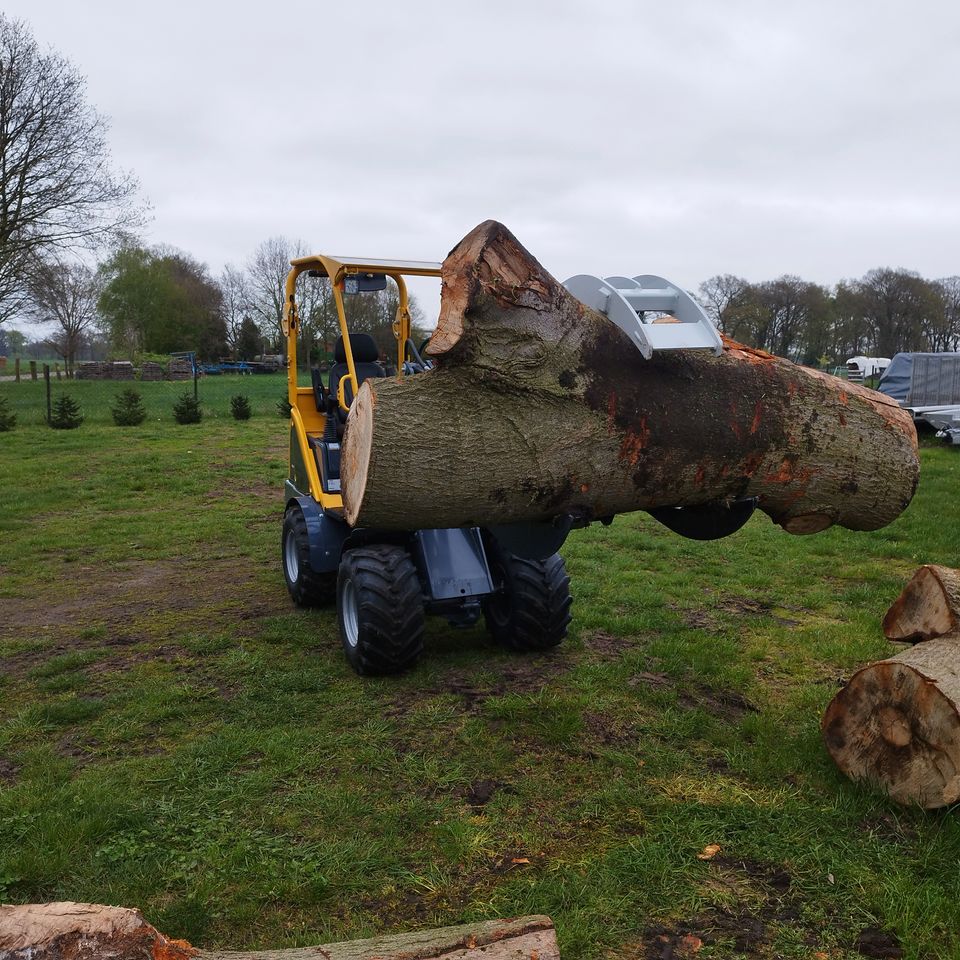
point(530, 609)
point(307, 588)
point(380, 609)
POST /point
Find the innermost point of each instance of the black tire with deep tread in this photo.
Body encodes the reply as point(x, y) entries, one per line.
point(309, 588)
point(530, 610)
point(389, 604)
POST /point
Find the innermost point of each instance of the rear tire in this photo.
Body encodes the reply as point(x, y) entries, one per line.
point(380, 609)
point(530, 609)
point(307, 587)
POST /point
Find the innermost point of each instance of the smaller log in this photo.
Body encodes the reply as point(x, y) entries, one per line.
point(928, 607)
point(83, 931)
point(896, 724)
point(90, 931)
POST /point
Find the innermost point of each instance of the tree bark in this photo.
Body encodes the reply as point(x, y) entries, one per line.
point(896, 724)
point(87, 931)
point(928, 607)
point(539, 406)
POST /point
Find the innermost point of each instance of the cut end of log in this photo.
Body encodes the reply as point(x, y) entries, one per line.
point(807, 524)
point(355, 454)
point(896, 725)
point(488, 259)
point(928, 607)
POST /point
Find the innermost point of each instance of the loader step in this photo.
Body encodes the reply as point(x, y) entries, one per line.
point(328, 463)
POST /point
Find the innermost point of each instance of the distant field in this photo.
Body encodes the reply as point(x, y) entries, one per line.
point(28, 398)
point(175, 735)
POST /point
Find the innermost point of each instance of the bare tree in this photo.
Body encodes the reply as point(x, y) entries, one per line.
point(57, 187)
point(235, 303)
point(267, 272)
point(718, 295)
point(949, 288)
point(64, 294)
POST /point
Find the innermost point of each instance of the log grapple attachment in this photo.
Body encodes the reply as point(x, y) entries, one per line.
point(654, 313)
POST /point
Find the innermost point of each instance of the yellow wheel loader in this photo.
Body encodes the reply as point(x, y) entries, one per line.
point(385, 582)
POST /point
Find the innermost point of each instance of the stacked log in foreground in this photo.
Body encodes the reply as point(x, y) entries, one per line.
point(87, 931)
point(896, 724)
point(540, 406)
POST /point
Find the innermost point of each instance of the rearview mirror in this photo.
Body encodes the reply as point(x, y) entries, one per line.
point(365, 283)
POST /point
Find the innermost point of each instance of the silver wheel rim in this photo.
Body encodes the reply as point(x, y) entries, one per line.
point(291, 560)
point(348, 606)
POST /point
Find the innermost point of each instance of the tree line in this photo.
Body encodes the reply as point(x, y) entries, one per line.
point(141, 301)
point(884, 312)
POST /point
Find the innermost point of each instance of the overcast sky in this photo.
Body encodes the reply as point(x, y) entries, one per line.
point(677, 138)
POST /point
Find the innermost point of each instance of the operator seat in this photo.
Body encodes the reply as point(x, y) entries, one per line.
point(365, 354)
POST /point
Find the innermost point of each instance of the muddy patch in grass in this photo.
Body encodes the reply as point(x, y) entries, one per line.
point(136, 605)
point(878, 943)
point(724, 704)
point(479, 793)
point(761, 901)
point(8, 772)
point(742, 608)
point(527, 675)
point(605, 646)
point(605, 731)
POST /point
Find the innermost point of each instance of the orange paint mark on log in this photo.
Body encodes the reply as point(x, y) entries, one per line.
point(633, 443)
point(843, 419)
point(584, 487)
point(734, 426)
point(783, 475)
point(786, 474)
point(700, 476)
point(844, 398)
point(752, 464)
point(791, 389)
point(724, 470)
point(757, 418)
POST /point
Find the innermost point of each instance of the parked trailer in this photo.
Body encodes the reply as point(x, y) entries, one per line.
point(862, 368)
point(923, 379)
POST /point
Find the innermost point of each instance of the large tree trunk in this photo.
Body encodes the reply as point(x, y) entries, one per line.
point(896, 724)
point(89, 931)
point(539, 406)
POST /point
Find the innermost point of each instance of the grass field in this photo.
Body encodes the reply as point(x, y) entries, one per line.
point(175, 735)
point(28, 401)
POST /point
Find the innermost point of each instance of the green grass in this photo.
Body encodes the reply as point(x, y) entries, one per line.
point(175, 735)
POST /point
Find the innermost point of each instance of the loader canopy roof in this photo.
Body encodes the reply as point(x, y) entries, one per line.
point(333, 266)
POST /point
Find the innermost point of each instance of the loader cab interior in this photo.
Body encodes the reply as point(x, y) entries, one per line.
point(319, 411)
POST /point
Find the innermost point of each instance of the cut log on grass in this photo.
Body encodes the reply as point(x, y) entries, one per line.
point(85, 931)
point(928, 607)
point(540, 406)
point(896, 724)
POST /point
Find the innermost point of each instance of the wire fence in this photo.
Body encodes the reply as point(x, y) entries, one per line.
point(28, 398)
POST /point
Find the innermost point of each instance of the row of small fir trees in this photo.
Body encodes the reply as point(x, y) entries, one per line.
point(127, 411)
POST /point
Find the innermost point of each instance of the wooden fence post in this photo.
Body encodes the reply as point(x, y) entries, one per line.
point(33, 369)
point(16, 369)
point(46, 377)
